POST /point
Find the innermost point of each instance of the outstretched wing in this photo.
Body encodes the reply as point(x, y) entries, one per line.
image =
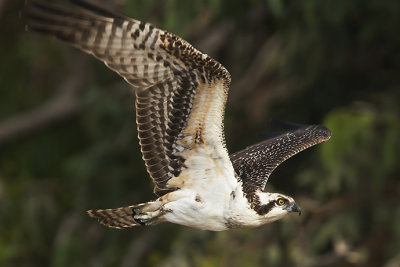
point(180, 92)
point(256, 163)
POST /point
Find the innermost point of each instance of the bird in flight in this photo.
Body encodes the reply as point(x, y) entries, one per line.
point(180, 102)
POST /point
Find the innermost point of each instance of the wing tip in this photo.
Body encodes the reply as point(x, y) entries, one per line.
point(320, 130)
point(323, 132)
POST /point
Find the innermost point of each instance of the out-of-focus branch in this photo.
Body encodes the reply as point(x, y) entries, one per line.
point(395, 261)
point(256, 70)
point(333, 205)
point(64, 104)
point(257, 87)
point(342, 252)
point(2, 6)
point(215, 38)
point(138, 248)
point(326, 260)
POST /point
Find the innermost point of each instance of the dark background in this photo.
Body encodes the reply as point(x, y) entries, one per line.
point(68, 139)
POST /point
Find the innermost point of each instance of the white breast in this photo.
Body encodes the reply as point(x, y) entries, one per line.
point(205, 191)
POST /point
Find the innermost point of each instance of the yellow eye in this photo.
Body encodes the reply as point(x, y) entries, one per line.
point(281, 202)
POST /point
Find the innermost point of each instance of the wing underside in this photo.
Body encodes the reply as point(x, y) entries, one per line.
point(170, 76)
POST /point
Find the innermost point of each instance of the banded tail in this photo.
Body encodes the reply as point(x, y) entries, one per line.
point(149, 213)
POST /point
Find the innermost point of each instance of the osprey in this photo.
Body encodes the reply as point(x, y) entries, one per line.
point(180, 101)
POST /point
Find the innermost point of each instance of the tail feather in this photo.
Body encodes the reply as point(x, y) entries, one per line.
point(115, 218)
point(125, 217)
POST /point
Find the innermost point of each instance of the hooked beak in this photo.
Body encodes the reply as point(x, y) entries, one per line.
point(294, 208)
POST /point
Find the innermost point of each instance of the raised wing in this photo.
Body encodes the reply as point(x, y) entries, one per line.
point(256, 163)
point(180, 91)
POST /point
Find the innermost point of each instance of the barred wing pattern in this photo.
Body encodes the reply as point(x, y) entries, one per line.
point(255, 164)
point(166, 71)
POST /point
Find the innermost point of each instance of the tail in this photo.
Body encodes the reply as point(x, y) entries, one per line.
point(149, 213)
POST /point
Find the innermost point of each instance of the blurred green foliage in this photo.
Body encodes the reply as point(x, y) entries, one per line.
point(330, 62)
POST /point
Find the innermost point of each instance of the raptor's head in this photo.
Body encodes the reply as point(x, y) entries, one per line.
point(274, 206)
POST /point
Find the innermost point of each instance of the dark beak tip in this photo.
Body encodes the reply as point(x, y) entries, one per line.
point(298, 209)
point(294, 208)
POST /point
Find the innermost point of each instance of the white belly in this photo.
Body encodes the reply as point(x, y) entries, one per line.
point(215, 206)
point(204, 195)
point(225, 210)
point(204, 199)
point(202, 207)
